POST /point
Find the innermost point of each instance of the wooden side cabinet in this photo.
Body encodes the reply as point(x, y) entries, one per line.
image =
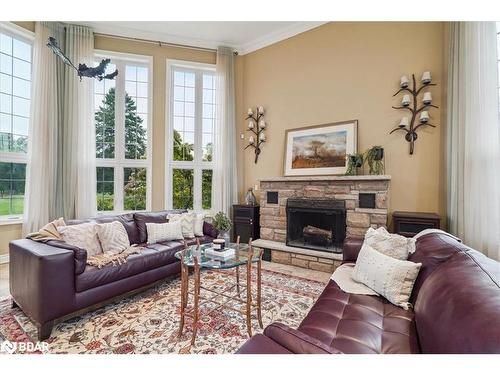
point(246, 222)
point(409, 224)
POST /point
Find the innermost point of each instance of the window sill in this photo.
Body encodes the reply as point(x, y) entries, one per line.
point(15, 221)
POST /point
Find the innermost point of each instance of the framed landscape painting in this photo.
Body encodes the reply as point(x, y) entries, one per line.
point(320, 149)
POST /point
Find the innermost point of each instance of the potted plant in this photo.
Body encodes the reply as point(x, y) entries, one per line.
point(223, 224)
point(354, 161)
point(374, 157)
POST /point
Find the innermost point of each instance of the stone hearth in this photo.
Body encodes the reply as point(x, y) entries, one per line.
point(345, 188)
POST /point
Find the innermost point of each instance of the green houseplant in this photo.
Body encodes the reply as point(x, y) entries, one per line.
point(223, 224)
point(374, 157)
point(354, 162)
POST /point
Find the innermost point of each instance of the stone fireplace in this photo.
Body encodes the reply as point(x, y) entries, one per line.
point(316, 224)
point(363, 199)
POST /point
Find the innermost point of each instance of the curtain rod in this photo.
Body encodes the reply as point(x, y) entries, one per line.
point(160, 43)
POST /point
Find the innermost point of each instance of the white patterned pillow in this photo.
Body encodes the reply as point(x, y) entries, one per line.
point(164, 232)
point(199, 219)
point(82, 235)
point(390, 244)
point(187, 223)
point(391, 278)
point(113, 237)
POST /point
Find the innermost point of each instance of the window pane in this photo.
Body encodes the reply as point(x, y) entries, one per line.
point(12, 185)
point(105, 188)
point(207, 147)
point(5, 123)
point(190, 80)
point(20, 125)
point(20, 106)
point(130, 73)
point(179, 78)
point(22, 50)
point(21, 88)
point(136, 110)
point(5, 84)
point(134, 191)
point(5, 103)
point(104, 117)
point(183, 150)
point(206, 189)
point(5, 44)
point(182, 188)
point(131, 88)
point(21, 69)
point(5, 64)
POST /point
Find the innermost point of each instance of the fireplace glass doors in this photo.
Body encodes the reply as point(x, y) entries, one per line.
point(317, 224)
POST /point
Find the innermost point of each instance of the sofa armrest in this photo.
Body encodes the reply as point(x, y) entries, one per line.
point(296, 341)
point(79, 254)
point(351, 249)
point(42, 279)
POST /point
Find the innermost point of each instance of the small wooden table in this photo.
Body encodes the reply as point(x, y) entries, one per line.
point(195, 257)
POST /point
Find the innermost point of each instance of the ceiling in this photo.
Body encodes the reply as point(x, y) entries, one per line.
point(244, 36)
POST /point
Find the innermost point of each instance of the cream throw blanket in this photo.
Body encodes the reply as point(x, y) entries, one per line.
point(50, 232)
point(343, 277)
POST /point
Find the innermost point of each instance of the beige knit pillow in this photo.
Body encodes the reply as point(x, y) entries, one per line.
point(187, 223)
point(390, 244)
point(82, 235)
point(164, 232)
point(113, 237)
point(391, 278)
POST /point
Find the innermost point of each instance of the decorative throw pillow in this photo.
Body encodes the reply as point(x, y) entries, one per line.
point(164, 232)
point(390, 244)
point(82, 235)
point(187, 223)
point(199, 218)
point(391, 278)
point(113, 237)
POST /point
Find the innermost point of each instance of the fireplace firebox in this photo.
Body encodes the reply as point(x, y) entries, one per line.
point(316, 224)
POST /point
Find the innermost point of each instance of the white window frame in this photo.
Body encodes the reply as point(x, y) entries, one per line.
point(26, 36)
point(119, 162)
point(197, 165)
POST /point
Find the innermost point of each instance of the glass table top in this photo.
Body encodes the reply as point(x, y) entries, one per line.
point(206, 261)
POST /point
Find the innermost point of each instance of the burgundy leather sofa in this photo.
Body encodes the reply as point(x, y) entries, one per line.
point(51, 282)
point(456, 301)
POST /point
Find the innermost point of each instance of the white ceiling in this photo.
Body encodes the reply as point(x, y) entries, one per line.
point(244, 36)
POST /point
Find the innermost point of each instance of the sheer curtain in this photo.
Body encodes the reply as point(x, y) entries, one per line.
point(225, 184)
point(60, 178)
point(473, 140)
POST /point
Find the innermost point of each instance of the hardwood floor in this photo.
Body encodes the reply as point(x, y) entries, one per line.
point(291, 270)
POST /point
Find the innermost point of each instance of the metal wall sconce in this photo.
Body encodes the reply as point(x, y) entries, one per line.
point(256, 125)
point(409, 102)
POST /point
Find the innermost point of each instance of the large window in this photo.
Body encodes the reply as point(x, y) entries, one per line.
point(190, 136)
point(498, 58)
point(122, 116)
point(15, 94)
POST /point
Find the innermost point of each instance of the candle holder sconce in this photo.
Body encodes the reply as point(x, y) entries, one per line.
point(409, 103)
point(256, 126)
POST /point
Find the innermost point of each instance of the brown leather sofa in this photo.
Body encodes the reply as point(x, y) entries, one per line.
point(456, 301)
point(51, 282)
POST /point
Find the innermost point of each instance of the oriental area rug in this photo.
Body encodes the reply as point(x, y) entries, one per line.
point(148, 322)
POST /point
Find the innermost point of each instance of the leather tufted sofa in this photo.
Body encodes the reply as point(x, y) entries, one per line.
point(51, 281)
point(456, 301)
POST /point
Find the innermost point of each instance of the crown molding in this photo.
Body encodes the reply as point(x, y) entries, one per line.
point(271, 38)
point(278, 36)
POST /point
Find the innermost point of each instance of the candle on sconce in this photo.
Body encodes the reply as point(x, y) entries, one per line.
point(261, 110)
point(427, 99)
point(262, 137)
point(250, 112)
point(251, 140)
point(262, 124)
point(426, 78)
point(406, 100)
point(250, 124)
point(424, 116)
point(404, 82)
point(404, 122)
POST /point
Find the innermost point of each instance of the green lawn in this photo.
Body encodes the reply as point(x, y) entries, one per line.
point(17, 205)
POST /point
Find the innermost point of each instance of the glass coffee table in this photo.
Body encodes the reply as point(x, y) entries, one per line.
point(195, 257)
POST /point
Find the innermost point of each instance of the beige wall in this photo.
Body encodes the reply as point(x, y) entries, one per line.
point(339, 71)
point(345, 71)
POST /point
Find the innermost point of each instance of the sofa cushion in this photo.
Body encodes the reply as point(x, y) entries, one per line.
point(152, 256)
point(457, 308)
point(260, 344)
point(141, 218)
point(82, 235)
point(113, 237)
point(360, 324)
